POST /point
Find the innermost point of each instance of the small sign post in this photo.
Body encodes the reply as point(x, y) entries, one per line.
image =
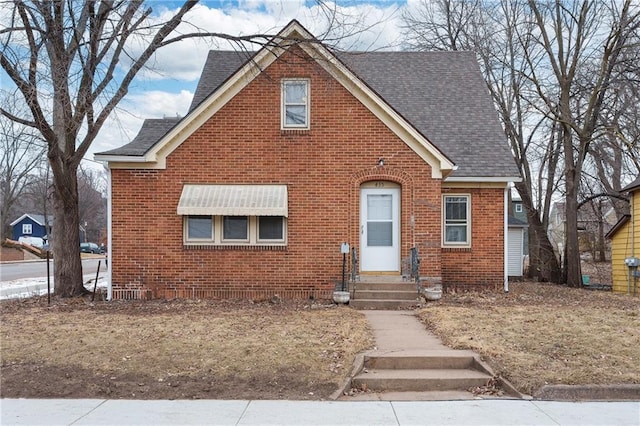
point(344, 249)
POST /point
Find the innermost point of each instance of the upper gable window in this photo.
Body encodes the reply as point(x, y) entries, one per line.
point(295, 104)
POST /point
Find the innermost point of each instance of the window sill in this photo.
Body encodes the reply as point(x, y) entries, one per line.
point(295, 132)
point(239, 247)
point(449, 249)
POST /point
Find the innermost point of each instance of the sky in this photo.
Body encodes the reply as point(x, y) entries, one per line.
point(166, 87)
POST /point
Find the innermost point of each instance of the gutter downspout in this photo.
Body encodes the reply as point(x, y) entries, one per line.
point(109, 235)
point(506, 231)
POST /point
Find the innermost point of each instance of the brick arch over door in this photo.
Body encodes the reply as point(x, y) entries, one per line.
point(387, 174)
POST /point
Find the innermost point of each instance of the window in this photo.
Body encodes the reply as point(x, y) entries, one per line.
point(27, 229)
point(518, 208)
point(199, 228)
point(457, 223)
point(270, 228)
point(234, 230)
point(295, 104)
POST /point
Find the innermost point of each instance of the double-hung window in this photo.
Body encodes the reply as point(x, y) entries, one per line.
point(27, 229)
point(457, 220)
point(295, 104)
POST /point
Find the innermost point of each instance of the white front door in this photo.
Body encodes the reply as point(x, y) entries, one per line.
point(380, 229)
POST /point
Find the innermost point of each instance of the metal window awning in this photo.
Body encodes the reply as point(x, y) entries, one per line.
point(234, 200)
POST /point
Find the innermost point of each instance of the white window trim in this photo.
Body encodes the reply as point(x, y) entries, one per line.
point(218, 239)
point(452, 244)
point(518, 208)
point(272, 241)
point(27, 229)
point(236, 240)
point(188, 240)
point(283, 105)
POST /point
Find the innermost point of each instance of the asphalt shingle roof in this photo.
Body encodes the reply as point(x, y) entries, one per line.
point(442, 94)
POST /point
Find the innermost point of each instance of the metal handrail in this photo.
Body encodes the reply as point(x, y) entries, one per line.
point(415, 267)
point(354, 269)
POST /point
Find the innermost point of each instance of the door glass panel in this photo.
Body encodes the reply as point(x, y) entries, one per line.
point(379, 207)
point(379, 234)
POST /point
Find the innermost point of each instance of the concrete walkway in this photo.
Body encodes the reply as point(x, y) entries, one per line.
point(401, 331)
point(481, 412)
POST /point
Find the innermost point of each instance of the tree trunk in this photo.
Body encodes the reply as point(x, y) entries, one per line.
point(543, 264)
point(66, 235)
point(574, 275)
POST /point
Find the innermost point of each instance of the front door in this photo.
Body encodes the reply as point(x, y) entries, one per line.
point(380, 229)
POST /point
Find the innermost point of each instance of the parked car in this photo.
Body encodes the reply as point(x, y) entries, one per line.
point(91, 248)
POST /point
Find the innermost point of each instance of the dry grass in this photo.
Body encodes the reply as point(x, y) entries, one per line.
point(182, 349)
point(545, 334)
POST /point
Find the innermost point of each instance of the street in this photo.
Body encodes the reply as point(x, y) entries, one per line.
point(38, 269)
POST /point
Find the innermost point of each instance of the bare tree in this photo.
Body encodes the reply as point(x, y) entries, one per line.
point(92, 205)
point(498, 33)
point(73, 61)
point(571, 35)
point(21, 150)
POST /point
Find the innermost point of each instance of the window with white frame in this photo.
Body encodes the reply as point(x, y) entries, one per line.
point(518, 208)
point(234, 230)
point(199, 228)
point(27, 229)
point(295, 104)
point(457, 220)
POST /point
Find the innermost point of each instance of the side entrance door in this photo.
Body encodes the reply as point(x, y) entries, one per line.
point(380, 229)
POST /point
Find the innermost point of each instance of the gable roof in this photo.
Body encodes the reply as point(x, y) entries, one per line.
point(440, 96)
point(37, 218)
point(619, 224)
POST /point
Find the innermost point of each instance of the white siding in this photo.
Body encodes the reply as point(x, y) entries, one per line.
point(514, 242)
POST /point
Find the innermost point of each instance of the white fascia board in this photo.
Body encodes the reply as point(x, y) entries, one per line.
point(120, 158)
point(18, 220)
point(394, 121)
point(505, 179)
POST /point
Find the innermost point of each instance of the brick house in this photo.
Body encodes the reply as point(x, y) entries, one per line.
point(289, 152)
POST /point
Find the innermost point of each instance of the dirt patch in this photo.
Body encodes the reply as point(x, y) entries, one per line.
point(541, 334)
point(177, 349)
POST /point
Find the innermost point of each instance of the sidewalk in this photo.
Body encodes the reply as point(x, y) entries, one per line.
point(211, 412)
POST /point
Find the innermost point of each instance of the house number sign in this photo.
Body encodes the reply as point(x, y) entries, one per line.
point(379, 184)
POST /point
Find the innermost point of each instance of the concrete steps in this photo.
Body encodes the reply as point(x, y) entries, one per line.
point(384, 293)
point(421, 371)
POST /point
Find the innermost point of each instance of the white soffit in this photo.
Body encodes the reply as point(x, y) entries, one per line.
point(234, 200)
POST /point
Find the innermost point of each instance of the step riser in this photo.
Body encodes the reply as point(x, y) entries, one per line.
point(416, 385)
point(382, 304)
point(360, 286)
point(419, 363)
point(386, 295)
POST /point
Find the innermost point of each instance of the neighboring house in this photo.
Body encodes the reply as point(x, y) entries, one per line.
point(595, 219)
point(625, 244)
point(518, 212)
point(516, 247)
point(30, 226)
point(288, 153)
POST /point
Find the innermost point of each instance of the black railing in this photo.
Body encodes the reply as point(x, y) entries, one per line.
point(354, 269)
point(415, 267)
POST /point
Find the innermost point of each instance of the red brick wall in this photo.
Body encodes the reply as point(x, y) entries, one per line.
point(482, 265)
point(323, 169)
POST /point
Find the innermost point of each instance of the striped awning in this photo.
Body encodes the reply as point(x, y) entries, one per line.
point(234, 200)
